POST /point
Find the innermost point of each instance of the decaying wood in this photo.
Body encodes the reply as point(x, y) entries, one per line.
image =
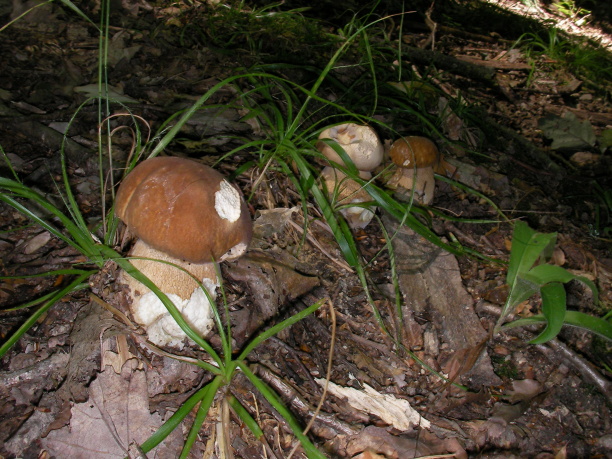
point(432, 289)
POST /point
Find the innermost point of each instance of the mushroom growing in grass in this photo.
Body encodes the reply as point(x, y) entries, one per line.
point(416, 158)
point(361, 144)
point(187, 214)
point(348, 191)
point(364, 148)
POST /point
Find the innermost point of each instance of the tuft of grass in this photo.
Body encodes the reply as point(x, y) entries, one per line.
point(580, 56)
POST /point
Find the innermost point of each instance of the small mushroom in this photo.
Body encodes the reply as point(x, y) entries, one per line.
point(361, 144)
point(187, 214)
point(416, 158)
point(348, 191)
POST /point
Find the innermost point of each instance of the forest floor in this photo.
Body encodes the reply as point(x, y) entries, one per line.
point(529, 135)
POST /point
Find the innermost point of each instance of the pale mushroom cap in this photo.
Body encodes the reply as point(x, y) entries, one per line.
point(185, 209)
point(361, 144)
point(414, 151)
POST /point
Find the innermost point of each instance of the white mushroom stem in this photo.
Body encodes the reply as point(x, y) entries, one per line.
point(181, 288)
point(421, 180)
point(348, 191)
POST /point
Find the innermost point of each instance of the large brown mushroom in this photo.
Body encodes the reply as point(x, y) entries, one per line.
point(416, 159)
point(184, 213)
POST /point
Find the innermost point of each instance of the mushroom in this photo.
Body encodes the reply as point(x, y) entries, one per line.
point(360, 143)
point(364, 148)
point(416, 158)
point(348, 191)
point(184, 213)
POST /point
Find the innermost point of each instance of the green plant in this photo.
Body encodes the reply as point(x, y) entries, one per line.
point(583, 57)
point(569, 8)
point(603, 211)
point(73, 230)
point(286, 144)
point(528, 275)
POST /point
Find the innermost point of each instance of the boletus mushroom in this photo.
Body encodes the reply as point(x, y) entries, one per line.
point(364, 148)
point(361, 144)
point(416, 159)
point(348, 191)
point(184, 213)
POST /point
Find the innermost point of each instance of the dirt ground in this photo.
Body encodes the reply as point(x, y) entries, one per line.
point(82, 383)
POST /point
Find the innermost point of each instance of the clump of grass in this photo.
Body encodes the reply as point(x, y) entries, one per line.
point(259, 31)
point(580, 56)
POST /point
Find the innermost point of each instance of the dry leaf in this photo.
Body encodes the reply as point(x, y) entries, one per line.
point(116, 414)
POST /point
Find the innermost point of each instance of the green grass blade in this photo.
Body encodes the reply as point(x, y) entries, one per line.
point(9, 164)
point(172, 423)
point(123, 263)
point(277, 328)
point(311, 451)
point(81, 239)
point(75, 285)
point(78, 11)
point(246, 417)
point(201, 415)
point(24, 14)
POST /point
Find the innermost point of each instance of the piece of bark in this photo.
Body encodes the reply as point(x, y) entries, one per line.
point(272, 280)
point(431, 284)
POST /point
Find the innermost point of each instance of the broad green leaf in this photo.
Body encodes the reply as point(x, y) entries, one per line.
point(527, 247)
point(577, 319)
point(522, 290)
point(544, 274)
point(553, 310)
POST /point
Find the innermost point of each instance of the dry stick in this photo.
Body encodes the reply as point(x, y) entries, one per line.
point(258, 417)
point(113, 310)
point(332, 313)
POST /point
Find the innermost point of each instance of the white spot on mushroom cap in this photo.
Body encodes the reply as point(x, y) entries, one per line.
point(227, 202)
point(161, 327)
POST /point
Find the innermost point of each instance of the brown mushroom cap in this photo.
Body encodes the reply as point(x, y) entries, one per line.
point(414, 151)
point(185, 209)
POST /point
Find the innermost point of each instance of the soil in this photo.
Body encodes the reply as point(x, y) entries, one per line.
point(84, 382)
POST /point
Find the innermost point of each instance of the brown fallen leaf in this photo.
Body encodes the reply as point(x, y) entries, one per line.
point(116, 415)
